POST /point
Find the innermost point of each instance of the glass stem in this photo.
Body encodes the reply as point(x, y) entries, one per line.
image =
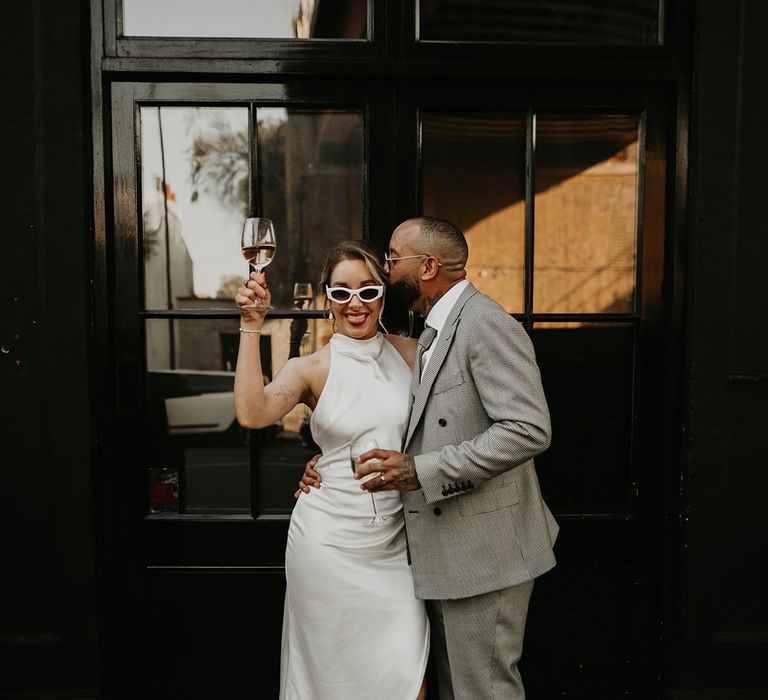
point(375, 511)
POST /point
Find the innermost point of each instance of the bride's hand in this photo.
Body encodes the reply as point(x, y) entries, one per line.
point(255, 287)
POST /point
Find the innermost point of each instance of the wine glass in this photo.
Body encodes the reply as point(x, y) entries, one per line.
point(258, 244)
point(355, 450)
point(302, 295)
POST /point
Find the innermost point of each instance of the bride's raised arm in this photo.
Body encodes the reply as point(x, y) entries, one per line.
point(256, 405)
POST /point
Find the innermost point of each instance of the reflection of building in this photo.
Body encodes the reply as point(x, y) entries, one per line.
point(164, 249)
point(167, 269)
point(586, 180)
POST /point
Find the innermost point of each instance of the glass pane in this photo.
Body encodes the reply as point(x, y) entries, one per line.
point(585, 214)
point(199, 458)
point(263, 19)
point(311, 167)
point(473, 174)
point(310, 181)
point(596, 22)
point(192, 256)
point(587, 375)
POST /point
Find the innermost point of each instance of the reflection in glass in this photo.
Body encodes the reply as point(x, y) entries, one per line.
point(596, 22)
point(264, 19)
point(192, 255)
point(585, 214)
point(199, 459)
point(311, 167)
point(473, 169)
point(193, 435)
point(311, 186)
point(588, 378)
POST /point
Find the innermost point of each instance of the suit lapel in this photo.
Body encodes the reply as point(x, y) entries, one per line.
point(422, 390)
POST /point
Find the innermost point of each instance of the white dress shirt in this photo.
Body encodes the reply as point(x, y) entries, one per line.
point(438, 316)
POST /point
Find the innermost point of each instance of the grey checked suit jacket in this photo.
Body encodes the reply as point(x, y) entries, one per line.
point(479, 416)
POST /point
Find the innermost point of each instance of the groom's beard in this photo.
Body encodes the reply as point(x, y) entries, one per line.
point(404, 293)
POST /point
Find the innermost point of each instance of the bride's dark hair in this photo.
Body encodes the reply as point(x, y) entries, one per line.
point(355, 250)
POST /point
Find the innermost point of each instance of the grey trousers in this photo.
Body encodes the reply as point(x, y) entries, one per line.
point(477, 642)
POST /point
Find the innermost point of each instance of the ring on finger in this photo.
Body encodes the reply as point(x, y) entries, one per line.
point(383, 480)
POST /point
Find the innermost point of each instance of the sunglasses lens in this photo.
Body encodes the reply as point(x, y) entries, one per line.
point(340, 296)
point(369, 294)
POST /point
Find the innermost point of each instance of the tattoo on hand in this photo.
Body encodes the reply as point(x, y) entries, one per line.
point(405, 474)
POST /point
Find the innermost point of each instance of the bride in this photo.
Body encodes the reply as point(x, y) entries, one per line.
point(352, 626)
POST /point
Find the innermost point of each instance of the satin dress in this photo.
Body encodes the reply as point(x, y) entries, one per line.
point(352, 626)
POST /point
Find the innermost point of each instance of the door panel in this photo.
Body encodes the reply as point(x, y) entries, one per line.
point(561, 193)
point(203, 508)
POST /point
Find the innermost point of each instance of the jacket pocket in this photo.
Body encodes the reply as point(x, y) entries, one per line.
point(488, 501)
point(448, 382)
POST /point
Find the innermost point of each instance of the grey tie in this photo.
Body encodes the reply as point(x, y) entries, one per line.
point(425, 340)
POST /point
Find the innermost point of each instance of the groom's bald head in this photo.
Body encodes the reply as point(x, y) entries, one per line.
point(444, 240)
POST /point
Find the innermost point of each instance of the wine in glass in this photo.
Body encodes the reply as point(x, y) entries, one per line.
point(355, 450)
point(258, 244)
point(302, 295)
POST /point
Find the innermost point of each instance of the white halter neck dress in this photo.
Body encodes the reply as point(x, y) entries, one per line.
point(352, 626)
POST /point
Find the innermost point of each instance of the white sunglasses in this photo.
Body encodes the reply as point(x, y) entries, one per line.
point(342, 295)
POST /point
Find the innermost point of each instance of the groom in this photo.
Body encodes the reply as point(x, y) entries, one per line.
point(478, 530)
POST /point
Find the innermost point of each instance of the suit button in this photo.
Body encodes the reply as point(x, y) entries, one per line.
point(442, 422)
point(437, 511)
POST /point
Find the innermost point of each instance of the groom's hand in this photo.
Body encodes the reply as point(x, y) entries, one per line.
point(310, 477)
point(398, 471)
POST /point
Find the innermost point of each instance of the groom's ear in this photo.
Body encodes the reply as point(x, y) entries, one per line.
point(431, 268)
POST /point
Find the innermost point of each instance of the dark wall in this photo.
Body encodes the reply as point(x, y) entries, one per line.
point(722, 601)
point(48, 630)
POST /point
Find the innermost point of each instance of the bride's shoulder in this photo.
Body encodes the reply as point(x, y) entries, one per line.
point(321, 356)
point(405, 346)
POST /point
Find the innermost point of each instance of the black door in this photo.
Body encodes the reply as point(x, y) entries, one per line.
point(561, 192)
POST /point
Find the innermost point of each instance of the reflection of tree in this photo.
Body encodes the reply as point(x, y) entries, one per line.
point(228, 286)
point(220, 164)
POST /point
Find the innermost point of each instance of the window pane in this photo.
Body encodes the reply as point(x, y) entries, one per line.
point(311, 180)
point(310, 183)
point(263, 19)
point(596, 22)
point(199, 458)
point(192, 257)
point(585, 214)
point(587, 376)
point(473, 169)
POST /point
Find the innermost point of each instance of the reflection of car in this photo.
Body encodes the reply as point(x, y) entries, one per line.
point(202, 413)
point(195, 404)
point(201, 458)
point(197, 444)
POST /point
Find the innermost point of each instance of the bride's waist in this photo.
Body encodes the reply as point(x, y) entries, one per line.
point(338, 474)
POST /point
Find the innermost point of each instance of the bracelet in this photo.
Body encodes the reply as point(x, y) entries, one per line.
point(250, 330)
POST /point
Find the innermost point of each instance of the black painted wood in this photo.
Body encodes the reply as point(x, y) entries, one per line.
point(721, 616)
point(48, 615)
